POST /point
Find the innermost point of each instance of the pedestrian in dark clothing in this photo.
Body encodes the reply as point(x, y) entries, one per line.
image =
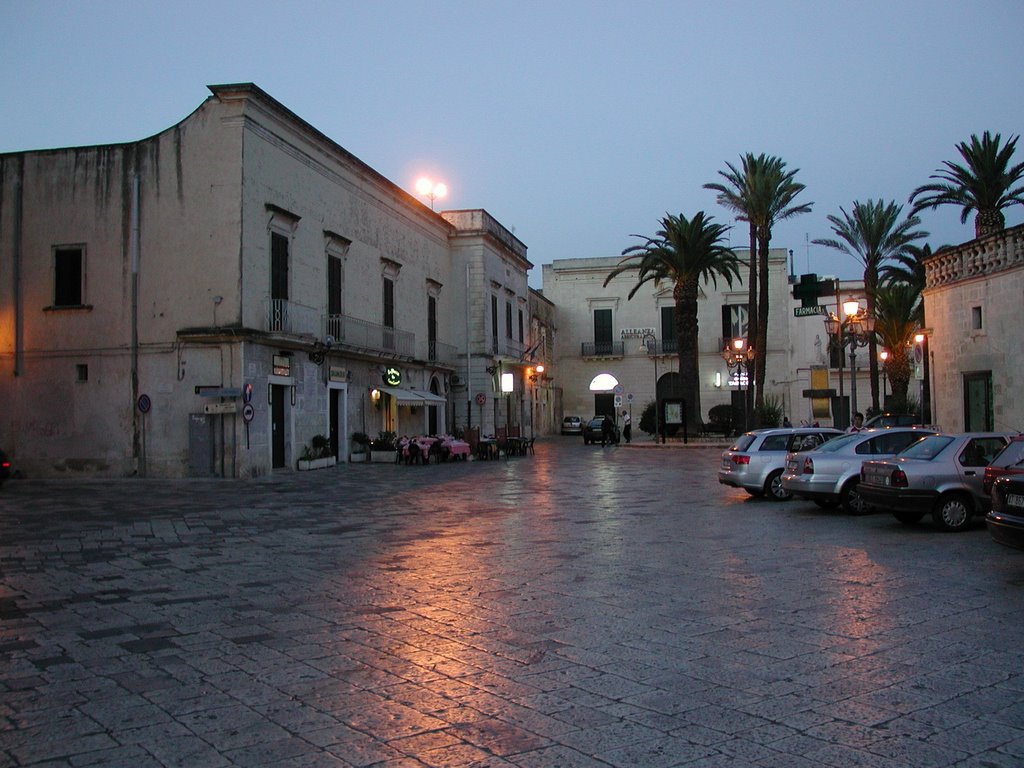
point(607, 431)
point(627, 426)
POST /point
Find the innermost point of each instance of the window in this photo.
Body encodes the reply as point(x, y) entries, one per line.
point(976, 324)
point(82, 372)
point(734, 321)
point(431, 328)
point(389, 303)
point(508, 319)
point(668, 330)
point(494, 323)
point(603, 331)
point(334, 285)
point(67, 277)
point(520, 326)
point(278, 266)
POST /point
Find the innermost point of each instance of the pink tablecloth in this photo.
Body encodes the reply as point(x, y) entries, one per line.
point(458, 447)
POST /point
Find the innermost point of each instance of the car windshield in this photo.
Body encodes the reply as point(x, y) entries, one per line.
point(926, 449)
point(1011, 456)
point(837, 444)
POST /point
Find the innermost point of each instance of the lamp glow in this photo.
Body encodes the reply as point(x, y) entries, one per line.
point(851, 307)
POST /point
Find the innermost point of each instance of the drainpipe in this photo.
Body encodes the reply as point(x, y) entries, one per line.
point(16, 276)
point(469, 395)
point(139, 447)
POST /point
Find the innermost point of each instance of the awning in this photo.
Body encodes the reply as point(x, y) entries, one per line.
point(412, 397)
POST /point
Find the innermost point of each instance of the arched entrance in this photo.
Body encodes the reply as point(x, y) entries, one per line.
point(603, 386)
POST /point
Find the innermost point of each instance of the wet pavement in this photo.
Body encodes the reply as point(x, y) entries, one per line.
point(582, 607)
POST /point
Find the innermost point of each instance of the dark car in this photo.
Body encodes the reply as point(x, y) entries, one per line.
point(5, 467)
point(1009, 461)
point(892, 420)
point(592, 431)
point(1005, 521)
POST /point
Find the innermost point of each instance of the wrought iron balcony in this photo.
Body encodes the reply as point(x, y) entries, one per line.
point(666, 347)
point(284, 316)
point(437, 352)
point(360, 334)
point(602, 349)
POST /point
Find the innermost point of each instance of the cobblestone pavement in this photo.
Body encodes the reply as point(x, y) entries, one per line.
point(583, 607)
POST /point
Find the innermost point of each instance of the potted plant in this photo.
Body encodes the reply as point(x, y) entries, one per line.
point(383, 447)
point(317, 454)
point(360, 447)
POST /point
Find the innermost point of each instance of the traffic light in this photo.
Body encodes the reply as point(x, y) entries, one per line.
point(810, 289)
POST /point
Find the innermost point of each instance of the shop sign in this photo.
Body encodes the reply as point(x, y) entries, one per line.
point(392, 376)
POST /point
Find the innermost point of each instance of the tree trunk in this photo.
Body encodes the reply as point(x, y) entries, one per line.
point(761, 347)
point(870, 288)
point(687, 333)
point(748, 397)
point(988, 222)
point(898, 367)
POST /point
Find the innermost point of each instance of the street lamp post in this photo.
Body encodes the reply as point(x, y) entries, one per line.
point(648, 346)
point(854, 331)
point(737, 354)
point(884, 357)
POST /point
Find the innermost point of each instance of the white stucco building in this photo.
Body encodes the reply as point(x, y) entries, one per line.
point(604, 361)
point(207, 300)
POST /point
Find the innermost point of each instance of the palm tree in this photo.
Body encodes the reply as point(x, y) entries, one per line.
point(738, 196)
point(686, 253)
point(898, 306)
point(762, 195)
point(985, 183)
point(909, 268)
point(874, 235)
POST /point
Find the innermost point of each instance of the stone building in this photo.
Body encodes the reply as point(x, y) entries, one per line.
point(207, 300)
point(974, 300)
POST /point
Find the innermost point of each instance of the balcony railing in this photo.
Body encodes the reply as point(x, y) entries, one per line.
point(437, 352)
point(353, 332)
point(284, 316)
point(602, 349)
point(505, 347)
point(666, 347)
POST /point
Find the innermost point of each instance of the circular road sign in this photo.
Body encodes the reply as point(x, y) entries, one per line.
point(144, 403)
point(248, 412)
point(480, 398)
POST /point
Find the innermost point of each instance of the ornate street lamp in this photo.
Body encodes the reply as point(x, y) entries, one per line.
point(854, 331)
point(431, 190)
point(737, 354)
point(648, 346)
point(884, 357)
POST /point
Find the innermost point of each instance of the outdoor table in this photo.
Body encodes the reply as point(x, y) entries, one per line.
point(457, 448)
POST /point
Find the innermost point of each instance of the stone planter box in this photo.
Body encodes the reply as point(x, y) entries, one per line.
point(357, 458)
point(382, 457)
point(308, 464)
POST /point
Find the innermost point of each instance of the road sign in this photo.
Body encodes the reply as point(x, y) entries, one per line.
point(219, 408)
point(248, 412)
point(809, 311)
point(618, 401)
point(480, 398)
point(144, 403)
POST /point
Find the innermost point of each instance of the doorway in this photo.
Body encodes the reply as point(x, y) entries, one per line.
point(277, 437)
point(978, 415)
point(604, 404)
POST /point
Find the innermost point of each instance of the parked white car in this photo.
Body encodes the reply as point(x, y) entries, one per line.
point(829, 475)
point(756, 460)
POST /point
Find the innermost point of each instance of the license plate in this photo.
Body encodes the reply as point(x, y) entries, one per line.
point(1014, 500)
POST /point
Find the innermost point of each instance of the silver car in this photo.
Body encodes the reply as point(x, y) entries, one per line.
point(755, 461)
point(829, 475)
point(941, 474)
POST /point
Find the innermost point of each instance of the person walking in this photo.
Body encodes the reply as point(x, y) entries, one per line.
point(607, 431)
point(627, 426)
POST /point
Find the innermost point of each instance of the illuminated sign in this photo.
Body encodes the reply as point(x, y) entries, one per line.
point(392, 376)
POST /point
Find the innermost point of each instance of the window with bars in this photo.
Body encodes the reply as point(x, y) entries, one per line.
point(278, 266)
point(334, 285)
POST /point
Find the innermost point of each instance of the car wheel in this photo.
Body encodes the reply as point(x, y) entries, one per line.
point(827, 503)
point(953, 512)
point(773, 487)
point(908, 518)
point(853, 503)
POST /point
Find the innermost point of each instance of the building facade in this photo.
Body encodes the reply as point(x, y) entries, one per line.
point(611, 350)
point(974, 297)
point(206, 301)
